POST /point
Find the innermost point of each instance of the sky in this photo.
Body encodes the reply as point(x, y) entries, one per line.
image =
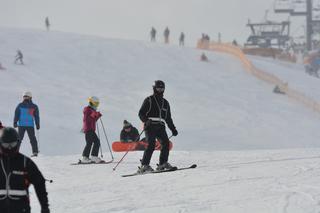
point(133, 19)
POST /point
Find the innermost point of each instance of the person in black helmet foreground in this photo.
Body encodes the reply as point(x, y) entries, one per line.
point(17, 172)
point(155, 113)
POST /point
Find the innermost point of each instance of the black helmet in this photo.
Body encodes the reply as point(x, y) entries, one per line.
point(158, 87)
point(159, 84)
point(9, 140)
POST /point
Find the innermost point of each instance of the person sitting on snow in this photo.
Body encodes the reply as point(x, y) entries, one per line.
point(1, 67)
point(203, 57)
point(129, 133)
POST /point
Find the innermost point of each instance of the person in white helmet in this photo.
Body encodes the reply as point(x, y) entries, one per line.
point(90, 118)
point(25, 118)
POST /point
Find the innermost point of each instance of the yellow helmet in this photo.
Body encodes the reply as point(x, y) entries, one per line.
point(94, 101)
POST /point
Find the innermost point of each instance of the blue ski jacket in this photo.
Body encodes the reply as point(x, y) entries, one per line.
point(26, 114)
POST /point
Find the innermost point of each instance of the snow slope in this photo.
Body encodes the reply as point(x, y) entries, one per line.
point(214, 105)
point(294, 74)
point(284, 181)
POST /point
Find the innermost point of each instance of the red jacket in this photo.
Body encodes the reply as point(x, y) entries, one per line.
point(90, 117)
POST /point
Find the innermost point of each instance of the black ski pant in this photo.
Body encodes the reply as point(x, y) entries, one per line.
point(91, 138)
point(13, 206)
point(32, 137)
point(156, 131)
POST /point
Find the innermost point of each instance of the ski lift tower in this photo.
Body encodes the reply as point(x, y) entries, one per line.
point(298, 8)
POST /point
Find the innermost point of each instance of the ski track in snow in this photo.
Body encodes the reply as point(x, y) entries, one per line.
point(224, 181)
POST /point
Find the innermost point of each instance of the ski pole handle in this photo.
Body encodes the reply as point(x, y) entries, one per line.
point(50, 181)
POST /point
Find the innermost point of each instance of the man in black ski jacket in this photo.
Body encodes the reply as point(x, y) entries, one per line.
point(17, 172)
point(155, 113)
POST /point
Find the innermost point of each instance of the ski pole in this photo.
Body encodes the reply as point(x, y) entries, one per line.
point(130, 148)
point(38, 138)
point(105, 134)
point(100, 141)
point(50, 181)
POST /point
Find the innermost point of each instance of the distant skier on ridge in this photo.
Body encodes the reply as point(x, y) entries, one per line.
point(166, 34)
point(153, 33)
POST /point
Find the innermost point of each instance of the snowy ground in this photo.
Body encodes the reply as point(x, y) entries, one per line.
point(215, 106)
point(275, 181)
point(294, 74)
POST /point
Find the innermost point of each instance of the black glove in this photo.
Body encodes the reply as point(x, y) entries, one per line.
point(15, 125)
point(38, 127)
point(174, 132)
point(147, 124)
point(46, 210)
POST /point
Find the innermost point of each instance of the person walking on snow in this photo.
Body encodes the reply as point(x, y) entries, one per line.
point(129, 133)
point(19, 57)
point(153, 33)
point(47, 23)
point(155, 113)
point(16, 174)
point(90, 118)
point(25, 116)
point(181, 39)
point(166, 34)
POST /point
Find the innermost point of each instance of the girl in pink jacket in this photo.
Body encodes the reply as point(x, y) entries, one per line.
point(90, 118)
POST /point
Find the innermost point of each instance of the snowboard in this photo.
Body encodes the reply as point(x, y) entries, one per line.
point(119, 146)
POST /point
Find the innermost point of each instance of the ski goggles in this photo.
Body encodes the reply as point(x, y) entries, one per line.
point(159, 89)
point(9, 145)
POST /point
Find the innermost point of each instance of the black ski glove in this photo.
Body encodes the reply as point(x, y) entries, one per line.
point(147, 124)
point(174, 132)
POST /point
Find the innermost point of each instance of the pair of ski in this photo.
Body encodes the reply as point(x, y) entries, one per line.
point(90, 163)
point(161, 171)
point(137, 173)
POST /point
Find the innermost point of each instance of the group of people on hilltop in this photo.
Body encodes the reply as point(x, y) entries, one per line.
point(166, 35)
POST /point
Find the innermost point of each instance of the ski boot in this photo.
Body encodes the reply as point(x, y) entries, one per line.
point(96, 159)
point(164, 166)
point(35, 154)
point(85, 160)
point(144, 169)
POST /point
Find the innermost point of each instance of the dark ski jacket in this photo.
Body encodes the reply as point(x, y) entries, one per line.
point(133, 135)
point(157, 109)
point(26, 114)
point(16, 174)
